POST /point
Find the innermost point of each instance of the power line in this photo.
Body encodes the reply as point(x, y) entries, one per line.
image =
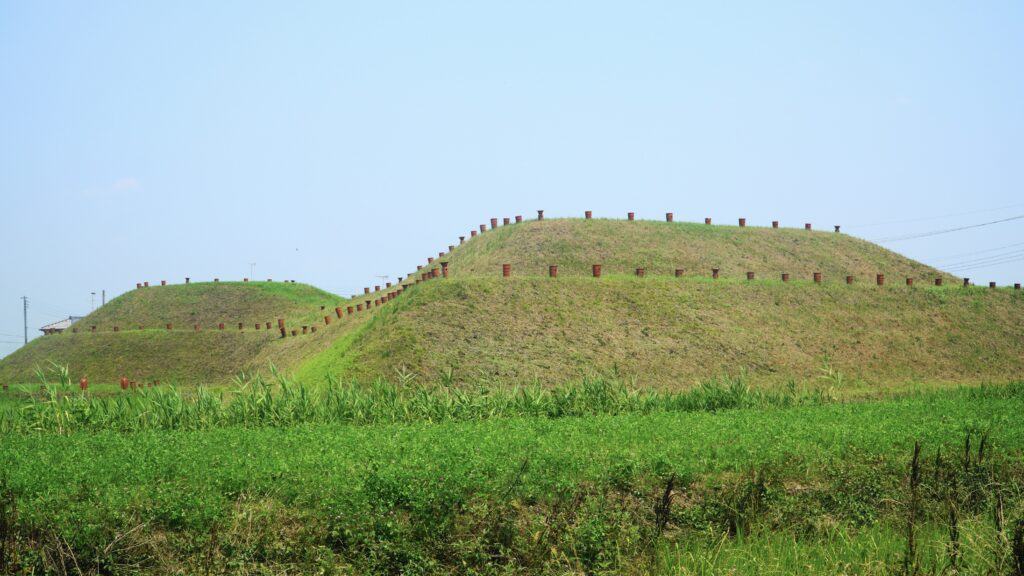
point(946, 230)
point(993, 258)
point(955, 256)
point(989, 264)
point(928, 218)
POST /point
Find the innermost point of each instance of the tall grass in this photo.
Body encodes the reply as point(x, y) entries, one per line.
point(280, 401)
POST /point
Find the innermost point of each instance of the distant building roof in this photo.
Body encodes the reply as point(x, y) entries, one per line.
point(61, 325)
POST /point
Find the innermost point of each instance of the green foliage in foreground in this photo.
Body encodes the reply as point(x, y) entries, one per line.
point(258, 402)
point(530, 495)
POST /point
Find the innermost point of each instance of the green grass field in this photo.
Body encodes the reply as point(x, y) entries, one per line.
point(814, 488)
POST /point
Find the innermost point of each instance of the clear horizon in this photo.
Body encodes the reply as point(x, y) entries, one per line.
point(332, 143)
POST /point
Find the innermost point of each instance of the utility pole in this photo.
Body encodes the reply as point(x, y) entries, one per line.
point(252, 271)
point(24, 302)
point(92, 302)
point(104, 302)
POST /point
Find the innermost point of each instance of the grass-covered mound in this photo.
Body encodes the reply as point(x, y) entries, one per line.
point(670, 332)
point(661, 247)
point(207, 356)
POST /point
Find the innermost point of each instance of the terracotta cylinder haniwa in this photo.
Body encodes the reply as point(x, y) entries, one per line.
point(92, 328)
point(967, 282)
point(368, 302)
point(444, 271)
point(641, 272)
point(519, 219)
point(553, 271)
point(750, 275)
point(743, 222)
point(327, 320)
point(138, 285)
point(187, 280)
point(366, 290)
point(631, 216)
point(540, 214)
point(430, 259)
point(195, 327)
point(494, 223)
point(295, 332)
point(880, 279)
point(349, 309)
point(170, 326)
point(462, 239)
point(124, 383)
point(785, 276)
point(240, 326)
point(807, 226)
point(83, 384)
point(268, 325)
point(714, 273)
point(163, 282)
point(680, 272)
point(668, 217)
point(775, 224)
point(145, 284)
point(596, 270)
point(376, 303)
point(837, 229)
point(337, 311)
point(116, 329)
point(305, 329)
point(506, 221)
point(220, 326)
point(588, 214)
point(817, 277)
point(245, 279)
point(257, 326)
point(216, 279)
point(284, 333)
point(938, 281)
point(472, 233)
point(910, 281)
point(1016, 286)
point(991, 284)
point(483, 227)
point(506, 270)
point(707, 221)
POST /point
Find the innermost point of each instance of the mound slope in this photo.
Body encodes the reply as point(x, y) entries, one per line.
point(671, 333)
point(661, 247)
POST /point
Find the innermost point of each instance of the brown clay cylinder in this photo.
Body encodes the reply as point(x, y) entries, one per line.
point(349, 309)
point(1016, 286)
point(295, 332)
point(938, 281)
point(540, 214)
point(327, 320)
point(967, 282)
point(92, 328)
point(880, 279)
point(240, 326)
point(337, 311)
point(641, 272)
point(472, 233)
point(359, 307)
point(991, 284)
point(83, 384)
point(750, 275)
point(588, 214)
point(245, 279)
point(668, 217)
point(280, 322)
point(305, 329)
point(680, 272)
point(494, 223)
point(195, 327)
point(817, 277)
point(368, 302)
point(163, 282)
point(430, 259)
point(284, 333)
point(444, 271)
point(743, 222)
point(220, 326)
point(187, 280)
point(807, 226)
point(116, 329)
point(631, 216)
point(462, 239)
point(596, 270)
point(837, 229)
point(145, 284)
point(138, 285)
point(707, 221)
point(553, 271)
point(785, 276)
point(257, 326)
point(519, 219)
point(268, 325)
point(714, 273)
point(506, 270)
point(506, 221)
point(910, 281)
point(483, 227)
point(170, 326)
point(216, 279)
point(366, 289)
point(775, 224)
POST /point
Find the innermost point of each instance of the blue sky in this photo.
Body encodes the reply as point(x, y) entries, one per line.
point(332, 142)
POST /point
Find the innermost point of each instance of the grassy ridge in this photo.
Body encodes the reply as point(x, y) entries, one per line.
point(519, 495)
point(672, 333)
point(661, 247)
